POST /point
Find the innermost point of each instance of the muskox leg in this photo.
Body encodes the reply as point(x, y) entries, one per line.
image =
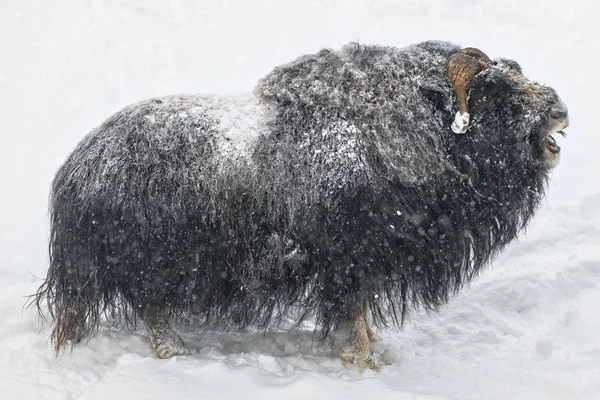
point(373, 338)
point(361, 338)
point(164, 341)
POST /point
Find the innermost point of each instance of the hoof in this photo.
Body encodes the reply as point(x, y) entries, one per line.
point(350, 357)
point(171, 348)
point(168, 352)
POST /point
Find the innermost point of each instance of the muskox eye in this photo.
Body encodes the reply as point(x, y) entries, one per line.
point(485, 99)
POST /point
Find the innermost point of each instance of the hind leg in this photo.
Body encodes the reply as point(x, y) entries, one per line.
point(164, 341)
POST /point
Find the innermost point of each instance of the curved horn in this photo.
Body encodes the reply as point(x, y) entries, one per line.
point(478, 54)
point(461, 69)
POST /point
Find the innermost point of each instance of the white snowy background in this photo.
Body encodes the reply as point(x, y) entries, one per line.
point(527, 328)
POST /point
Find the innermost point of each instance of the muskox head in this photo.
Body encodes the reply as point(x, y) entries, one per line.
point(498, 103)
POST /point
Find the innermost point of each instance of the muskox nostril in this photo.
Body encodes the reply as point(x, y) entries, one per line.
point(559, 117)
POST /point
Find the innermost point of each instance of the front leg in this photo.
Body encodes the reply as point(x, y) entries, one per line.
point(373, 337)
point(361, 338)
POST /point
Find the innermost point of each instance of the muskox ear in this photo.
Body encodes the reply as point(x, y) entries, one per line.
point(435, 92)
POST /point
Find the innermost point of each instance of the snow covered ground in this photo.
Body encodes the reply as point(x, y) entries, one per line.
point(528, 328)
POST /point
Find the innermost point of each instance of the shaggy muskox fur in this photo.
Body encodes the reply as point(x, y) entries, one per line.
point(335, 191)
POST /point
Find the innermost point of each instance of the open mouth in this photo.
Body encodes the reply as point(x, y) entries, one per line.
point(551, 144)
point(552, 149)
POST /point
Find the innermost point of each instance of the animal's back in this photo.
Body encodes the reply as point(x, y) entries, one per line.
point(164, 145)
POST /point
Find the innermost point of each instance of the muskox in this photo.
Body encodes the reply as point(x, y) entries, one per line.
point(348, 188)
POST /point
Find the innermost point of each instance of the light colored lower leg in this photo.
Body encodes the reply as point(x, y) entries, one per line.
point(361, 338)
point(373, 337)
point(164, 341)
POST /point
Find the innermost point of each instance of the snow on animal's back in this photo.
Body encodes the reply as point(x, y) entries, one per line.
point(232, 123)
point(166, 144)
